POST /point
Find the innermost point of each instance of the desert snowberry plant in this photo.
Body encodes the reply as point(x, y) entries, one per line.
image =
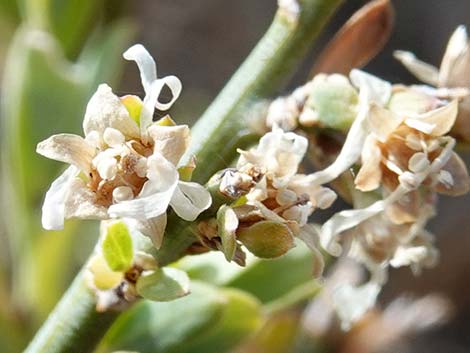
point(238, 188)
point(126, 165)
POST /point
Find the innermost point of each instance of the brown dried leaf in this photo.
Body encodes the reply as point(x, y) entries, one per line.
point(359, 40)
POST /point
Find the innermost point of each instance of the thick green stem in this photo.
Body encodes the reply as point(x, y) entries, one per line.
point(266, 69)
point(74, 325)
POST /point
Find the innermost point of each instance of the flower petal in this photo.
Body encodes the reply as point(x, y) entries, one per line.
point(421, 70)
point(154, 228)
point(441, 119)
point(151, 99)
point(382, 122)
point(155, 195)
point(145, 62)
point(68, 148)
point(350, 152)
point(455, 66)
point(405, 210)
point(175, 86)
point(105, 110)
point(370, 174)
point(371, 87)
point(190, 199)
point(170, 141)
point(152, 85)
point(460, 183)
point(345, 220)
point(53, 209)
point(80, 203)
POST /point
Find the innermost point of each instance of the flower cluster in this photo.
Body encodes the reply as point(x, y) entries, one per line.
point(399, 138)
point(271, 200)
point(126, 165)
point(126, 171)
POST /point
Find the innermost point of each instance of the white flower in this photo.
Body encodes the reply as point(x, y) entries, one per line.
point(281, 191)
point(126, 166)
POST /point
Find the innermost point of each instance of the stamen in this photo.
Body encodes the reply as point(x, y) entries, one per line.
point(113, 137)
point(122, 193)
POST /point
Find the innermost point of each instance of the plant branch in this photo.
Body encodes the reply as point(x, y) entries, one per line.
point(222, 128)
point(74, 325)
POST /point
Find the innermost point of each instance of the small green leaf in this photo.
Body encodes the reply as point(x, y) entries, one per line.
point(117, 247)
point(227, 224)
point(134, 106)
point(186, 171)
point(164, 284)
point(267, 239)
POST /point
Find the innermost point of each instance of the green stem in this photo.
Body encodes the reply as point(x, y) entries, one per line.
point(223, 126)
point(74, 325)
point(298, 295)
point(263, 73)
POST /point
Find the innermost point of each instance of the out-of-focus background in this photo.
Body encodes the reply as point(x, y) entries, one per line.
point(48, 78)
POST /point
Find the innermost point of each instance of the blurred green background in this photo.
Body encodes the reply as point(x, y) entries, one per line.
point(53, 53)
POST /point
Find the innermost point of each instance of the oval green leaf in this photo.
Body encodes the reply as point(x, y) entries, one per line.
point(117, 247)
point(267, 239)
point(164, 285)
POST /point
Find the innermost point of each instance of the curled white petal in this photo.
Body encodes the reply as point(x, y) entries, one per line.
point(175, 86)
point(152, 84)
point(190, 199)
point(145, 62)
point(53, 209)
point(113, 137)
point(122, 193)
